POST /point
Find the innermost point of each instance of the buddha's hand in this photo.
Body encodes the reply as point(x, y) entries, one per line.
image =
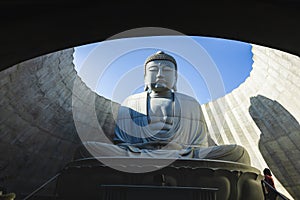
point(159, 145)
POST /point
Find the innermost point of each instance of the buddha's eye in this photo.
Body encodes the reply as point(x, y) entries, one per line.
point(166, 68)
point(153, 68)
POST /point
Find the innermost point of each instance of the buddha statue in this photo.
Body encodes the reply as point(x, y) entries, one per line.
point(161, 122)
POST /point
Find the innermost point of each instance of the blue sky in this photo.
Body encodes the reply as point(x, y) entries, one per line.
point(123, 74)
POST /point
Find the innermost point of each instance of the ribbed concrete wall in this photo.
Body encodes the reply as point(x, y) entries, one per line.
point(38, 135)
point(263, 115)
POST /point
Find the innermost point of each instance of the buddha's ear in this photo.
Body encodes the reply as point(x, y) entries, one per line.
point(146, 88)
point(175, 88)
point(175, 85)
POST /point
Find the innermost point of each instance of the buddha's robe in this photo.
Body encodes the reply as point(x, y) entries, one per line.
point(188, 128)
point(186, 137)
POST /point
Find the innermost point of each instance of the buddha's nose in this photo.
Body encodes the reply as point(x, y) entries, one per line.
point(160, 73)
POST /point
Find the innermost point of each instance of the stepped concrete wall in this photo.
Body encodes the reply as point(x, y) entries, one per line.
point(38, 135)
point(263, 115)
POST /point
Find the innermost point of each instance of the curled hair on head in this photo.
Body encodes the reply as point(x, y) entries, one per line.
point(160, 55)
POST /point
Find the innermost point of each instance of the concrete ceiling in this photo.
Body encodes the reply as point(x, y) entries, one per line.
point(33, 28)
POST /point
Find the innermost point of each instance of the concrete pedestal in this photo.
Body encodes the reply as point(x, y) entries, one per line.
point(182, 179)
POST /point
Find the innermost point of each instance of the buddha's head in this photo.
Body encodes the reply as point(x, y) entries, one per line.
point(160, 72)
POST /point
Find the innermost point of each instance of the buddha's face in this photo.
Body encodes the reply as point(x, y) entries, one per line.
point(160, 75)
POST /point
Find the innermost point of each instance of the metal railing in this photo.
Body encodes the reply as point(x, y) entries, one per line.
point(41, 187)
point(276, 195)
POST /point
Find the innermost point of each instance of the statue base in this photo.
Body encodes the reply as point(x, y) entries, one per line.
point(122, 178)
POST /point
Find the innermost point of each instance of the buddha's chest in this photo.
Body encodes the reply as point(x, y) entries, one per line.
point(160, 107)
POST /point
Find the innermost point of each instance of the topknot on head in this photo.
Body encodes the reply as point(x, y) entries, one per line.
point(161, 55)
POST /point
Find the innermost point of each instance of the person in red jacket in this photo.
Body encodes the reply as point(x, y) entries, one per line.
point(271, 194)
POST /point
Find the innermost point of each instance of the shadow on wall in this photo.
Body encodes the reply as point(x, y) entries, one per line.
point(279, 141)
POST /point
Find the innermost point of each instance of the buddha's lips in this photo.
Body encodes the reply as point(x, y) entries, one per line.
point(160, 81)
point(160, 85)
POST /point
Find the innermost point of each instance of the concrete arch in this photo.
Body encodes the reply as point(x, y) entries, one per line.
point(32, 29)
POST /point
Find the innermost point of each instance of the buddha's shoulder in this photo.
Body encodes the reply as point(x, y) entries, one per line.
point(136, 97)
point(185, 97)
